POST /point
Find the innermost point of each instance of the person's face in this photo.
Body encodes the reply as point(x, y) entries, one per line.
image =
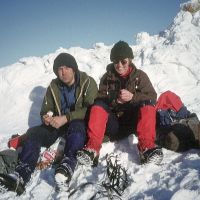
point(122, 66)
point(66, 75)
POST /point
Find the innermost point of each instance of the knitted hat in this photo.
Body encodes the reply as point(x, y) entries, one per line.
point(120, 51)
point(64, 59)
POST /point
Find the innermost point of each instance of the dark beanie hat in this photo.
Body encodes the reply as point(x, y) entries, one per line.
point(64, 59)
point(121, 50)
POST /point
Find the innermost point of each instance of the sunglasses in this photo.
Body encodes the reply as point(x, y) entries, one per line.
point(124, 62)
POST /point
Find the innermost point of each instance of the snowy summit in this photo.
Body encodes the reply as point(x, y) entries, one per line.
point(172, 62)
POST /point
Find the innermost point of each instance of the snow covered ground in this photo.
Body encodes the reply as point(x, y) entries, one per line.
point(172, 61)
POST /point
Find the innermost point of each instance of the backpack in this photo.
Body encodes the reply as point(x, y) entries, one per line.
point(177, 128)
point(8, 161)
point(181, 136)
point(170, 109)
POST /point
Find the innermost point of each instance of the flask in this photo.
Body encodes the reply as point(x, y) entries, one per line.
point(52, 155)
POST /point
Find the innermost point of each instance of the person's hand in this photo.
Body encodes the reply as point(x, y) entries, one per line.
point(58, 121)
point(124, 96)
point(47, 119)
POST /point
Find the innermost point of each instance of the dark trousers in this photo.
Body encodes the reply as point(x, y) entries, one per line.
point(44, 136)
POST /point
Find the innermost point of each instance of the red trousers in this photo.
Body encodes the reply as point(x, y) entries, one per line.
point(100, 119)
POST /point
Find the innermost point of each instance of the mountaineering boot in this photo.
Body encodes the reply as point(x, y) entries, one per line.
point(12, 182)
point(154, 155)
point(63, 175)
point(87, 157)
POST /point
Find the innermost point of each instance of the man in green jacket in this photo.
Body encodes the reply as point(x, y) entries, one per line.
point(63, 113)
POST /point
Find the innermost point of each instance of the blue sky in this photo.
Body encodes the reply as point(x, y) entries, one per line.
point(39, 27)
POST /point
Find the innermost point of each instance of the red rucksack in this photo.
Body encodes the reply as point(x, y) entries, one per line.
point(170, 109)
point(177, 128)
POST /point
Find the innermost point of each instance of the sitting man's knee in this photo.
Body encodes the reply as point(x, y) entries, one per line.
point(77, 126)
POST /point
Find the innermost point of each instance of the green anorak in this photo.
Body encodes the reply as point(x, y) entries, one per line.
point(86, 92)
